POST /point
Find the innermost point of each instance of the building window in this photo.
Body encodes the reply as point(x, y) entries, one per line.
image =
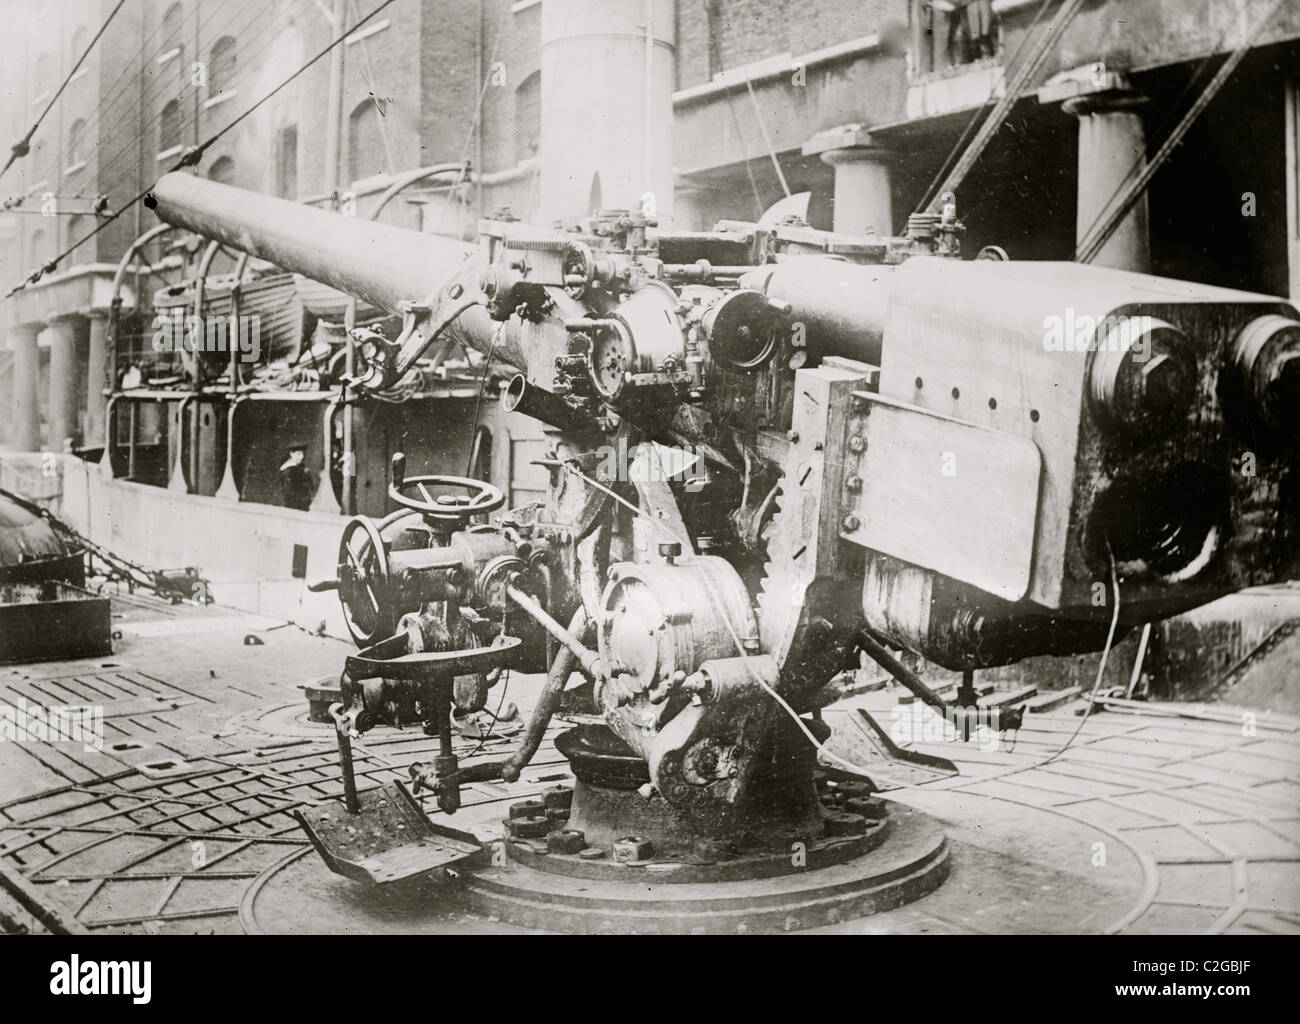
point(286, 162)
point(366, 140)
point(169, 126)
point(76, 144)
point(39, 165)
point(40, 248)
point(173, 36)
point(78, 228)
point(222, 170)
point(44, 76)
point(80, 40)
point(171, 26)
point(221, 66)
point(528, 117)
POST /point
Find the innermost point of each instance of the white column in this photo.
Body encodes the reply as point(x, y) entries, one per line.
point(1112, 150)
point(607, 110)
point(26, 436)
point(863, 191)
point(96, 379)
point(64, 377)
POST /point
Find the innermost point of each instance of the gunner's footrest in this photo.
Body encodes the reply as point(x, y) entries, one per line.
point(390, 838)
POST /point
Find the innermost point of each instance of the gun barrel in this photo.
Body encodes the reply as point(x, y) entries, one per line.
point(378, 263)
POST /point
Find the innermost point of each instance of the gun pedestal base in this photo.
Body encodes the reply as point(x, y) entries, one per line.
point(611, 855)
point(558, 892)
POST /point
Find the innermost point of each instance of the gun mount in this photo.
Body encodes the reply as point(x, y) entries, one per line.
point(966, 459)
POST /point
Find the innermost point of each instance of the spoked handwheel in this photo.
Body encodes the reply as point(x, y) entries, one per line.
point(363, 581)
point(444, 513)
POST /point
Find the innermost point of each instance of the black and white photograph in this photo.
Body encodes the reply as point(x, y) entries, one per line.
point(650, 467)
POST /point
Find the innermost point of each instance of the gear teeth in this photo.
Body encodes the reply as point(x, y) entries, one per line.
point(775, 606)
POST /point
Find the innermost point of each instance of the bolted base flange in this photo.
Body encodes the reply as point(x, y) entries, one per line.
point(600, 896)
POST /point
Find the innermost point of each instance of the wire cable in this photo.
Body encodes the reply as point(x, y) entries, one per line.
point(192, 156)
point(959, 145)
point(23, 146)
point(1021, 78)
point(1101, 666)
point(721, 604)
point(111, 96)
point(716, 50)
point(474, 123)
point(1114, 213)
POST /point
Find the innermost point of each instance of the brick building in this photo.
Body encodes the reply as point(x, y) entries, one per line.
point(859, 102)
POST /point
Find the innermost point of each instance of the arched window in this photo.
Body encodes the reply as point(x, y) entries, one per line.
point(78, 228)
point(40, 164)
point(41, 248)
point(528, 117)
point(172, 25)
point(169, 126)
point(222, 170)
point(221, 66)
point(76, 149)
point(44, 81)
point(80, 40)
point(286, 162)
point(365, 141)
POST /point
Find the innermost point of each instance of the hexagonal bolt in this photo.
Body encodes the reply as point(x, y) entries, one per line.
point(870, 807)
point(558, 796)
point(850, 523)
point(842, 823)
point(1282, 392)
point(528, 828)
point(565, 840)
point(853, 482)
point(631, 849)
point(857, 444)
point(1165, 382)
point(527, 809)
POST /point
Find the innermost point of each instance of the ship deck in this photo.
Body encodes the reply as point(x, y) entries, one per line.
point(1164, 818)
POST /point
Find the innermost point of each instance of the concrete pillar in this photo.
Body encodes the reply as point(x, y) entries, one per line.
point(97, 379)
point(64, 380)
point(863, 197)
point(26, 415)
point(606, 107)
point(1112, 149)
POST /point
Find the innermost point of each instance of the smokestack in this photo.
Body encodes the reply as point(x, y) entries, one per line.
point(607, 109)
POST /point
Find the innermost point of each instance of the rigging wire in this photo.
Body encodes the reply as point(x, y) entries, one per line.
point(474, 123)
point(372, 82)
point(250, 70)
point(193, 155)
point(1066, 13)
point(932, 190)
point(23, 146)
point(716, 50)
point(1131, 190)
point(117, 89)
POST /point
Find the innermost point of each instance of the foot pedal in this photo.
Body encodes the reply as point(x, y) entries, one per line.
point(859, 739)
point(390, 838)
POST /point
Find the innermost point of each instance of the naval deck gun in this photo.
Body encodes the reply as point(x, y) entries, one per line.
point(975, 460)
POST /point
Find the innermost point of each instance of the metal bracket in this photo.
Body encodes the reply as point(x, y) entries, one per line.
point(422, 322)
